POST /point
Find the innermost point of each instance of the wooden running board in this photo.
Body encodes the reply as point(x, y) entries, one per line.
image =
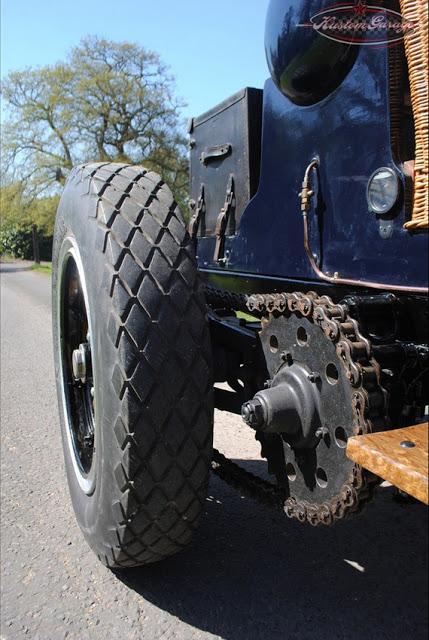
point(383, 454)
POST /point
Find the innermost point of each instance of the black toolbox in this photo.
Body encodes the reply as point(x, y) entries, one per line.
point(225, 149)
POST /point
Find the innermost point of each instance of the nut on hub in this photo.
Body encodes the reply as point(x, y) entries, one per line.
point(80, 362)
point(253, 414)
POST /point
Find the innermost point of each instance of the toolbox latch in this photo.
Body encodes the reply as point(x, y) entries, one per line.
point(199, 209)
point(222, 220)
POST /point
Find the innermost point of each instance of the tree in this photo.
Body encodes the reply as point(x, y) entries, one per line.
point(19, 211)
point(109, 101)
point(18, 214)
point(11, 203)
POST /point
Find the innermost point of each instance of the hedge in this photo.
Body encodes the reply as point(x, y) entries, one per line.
point(17, 241)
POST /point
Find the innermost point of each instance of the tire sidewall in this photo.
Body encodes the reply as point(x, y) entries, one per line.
point(76, 220)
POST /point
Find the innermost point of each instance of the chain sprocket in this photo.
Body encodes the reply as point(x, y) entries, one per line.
point(368, 400)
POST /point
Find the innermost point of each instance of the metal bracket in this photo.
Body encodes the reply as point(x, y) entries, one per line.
point(385, 228)
point(199, 207)
point(222, 221)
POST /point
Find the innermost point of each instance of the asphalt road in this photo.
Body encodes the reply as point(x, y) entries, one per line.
point(250, 575)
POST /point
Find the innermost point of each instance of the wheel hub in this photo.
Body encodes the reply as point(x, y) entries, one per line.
point(77, 371)
point(289, 406)
point(80, 361)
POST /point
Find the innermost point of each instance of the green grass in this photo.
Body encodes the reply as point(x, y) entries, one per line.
point(246, 316)
point(43, 268)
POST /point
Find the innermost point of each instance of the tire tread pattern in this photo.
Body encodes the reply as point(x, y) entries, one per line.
point(161, 375)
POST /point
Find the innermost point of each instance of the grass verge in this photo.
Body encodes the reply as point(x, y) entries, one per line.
point(43, 268)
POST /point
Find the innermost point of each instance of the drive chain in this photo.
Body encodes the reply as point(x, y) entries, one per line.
point(368, 400)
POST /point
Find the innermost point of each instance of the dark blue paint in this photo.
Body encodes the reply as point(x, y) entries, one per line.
point(349, 132)
point(303, 65)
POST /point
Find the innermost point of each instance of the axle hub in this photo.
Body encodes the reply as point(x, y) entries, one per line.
point(290, 406)
point(80, 360)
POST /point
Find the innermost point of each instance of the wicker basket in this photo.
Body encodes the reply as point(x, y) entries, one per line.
point(416, 51)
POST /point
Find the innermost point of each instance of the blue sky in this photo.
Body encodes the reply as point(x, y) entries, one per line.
point(213, 48)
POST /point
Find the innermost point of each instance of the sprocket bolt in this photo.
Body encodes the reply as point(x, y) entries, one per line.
point(286, 356)
point(321, 432)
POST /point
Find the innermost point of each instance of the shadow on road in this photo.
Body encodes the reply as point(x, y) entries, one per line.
point(12, 267)
point(252, 574)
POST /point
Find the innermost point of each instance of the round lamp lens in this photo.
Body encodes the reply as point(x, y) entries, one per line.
point(382, 191)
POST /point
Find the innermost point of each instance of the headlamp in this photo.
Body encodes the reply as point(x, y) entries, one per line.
point(382, 190)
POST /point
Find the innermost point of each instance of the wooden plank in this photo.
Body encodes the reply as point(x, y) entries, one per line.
point(382, 453)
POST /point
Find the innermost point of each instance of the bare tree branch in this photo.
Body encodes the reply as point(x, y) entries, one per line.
point(109, 101)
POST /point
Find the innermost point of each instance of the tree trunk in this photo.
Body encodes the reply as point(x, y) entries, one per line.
point(36, 252)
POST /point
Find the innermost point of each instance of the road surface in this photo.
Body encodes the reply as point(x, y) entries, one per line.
point(251, 574)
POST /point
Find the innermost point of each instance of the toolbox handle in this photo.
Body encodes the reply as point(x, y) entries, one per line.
point(215, 153)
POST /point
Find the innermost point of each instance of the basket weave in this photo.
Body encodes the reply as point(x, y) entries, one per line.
point(416, 51)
